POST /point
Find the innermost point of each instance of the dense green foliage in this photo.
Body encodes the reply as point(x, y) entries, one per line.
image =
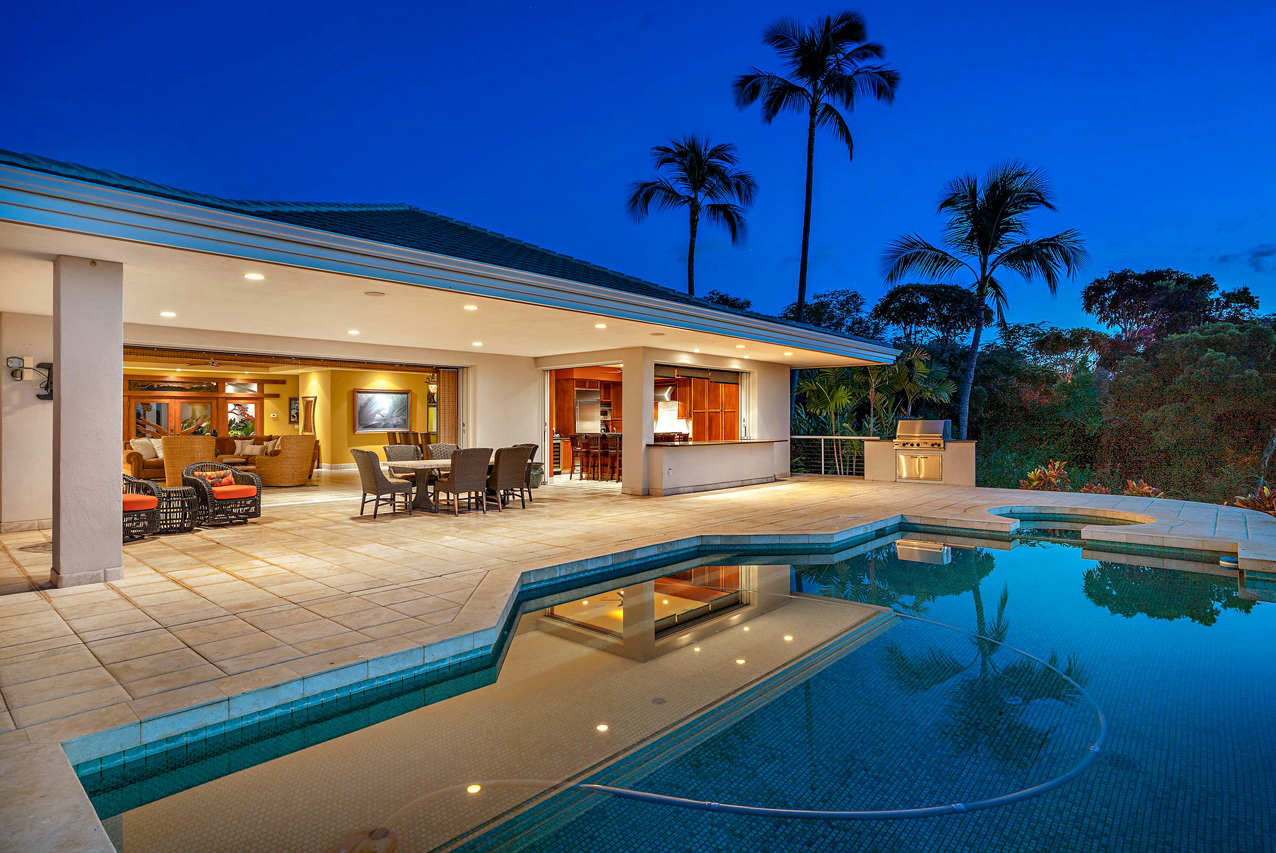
point(1182, 397)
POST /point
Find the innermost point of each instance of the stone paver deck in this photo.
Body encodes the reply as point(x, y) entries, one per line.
point(221, 623)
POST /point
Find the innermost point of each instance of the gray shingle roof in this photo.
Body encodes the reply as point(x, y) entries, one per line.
point(398, 225)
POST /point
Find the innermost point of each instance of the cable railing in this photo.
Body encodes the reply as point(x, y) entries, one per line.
point(840, 455)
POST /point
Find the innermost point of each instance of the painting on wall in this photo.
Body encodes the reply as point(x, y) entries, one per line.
point(382, 411)
point(294, 410)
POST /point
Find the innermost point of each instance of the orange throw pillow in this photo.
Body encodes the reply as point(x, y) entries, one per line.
point(216, 478)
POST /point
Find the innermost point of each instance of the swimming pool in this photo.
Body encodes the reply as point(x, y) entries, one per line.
point(819, 702)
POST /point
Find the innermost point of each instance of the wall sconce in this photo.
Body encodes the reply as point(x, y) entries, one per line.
point(19, 365)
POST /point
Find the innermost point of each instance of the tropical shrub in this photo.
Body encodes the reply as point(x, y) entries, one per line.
point(1095, 488)
point(1262, 499)
point(1048, 478)
point(1140, 489)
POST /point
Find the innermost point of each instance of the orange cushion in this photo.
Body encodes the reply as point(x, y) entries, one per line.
point(216, 478)
point(224, 493)
point(138, 503)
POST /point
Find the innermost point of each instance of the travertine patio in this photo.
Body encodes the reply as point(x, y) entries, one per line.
point(221, 623)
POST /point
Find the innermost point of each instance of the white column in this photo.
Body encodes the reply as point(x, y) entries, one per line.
point(638, 390)
point(88, 363)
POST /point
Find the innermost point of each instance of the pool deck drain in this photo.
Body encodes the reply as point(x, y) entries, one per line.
point(211, 627)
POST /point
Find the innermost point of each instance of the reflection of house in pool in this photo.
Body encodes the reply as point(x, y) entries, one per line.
point(654, 617)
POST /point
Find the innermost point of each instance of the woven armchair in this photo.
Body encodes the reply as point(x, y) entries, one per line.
point(441, 451)
point(182, 451)
point(141, 508)
point(374, 482)
point(291, 466)
point(509, 473)
point(402, 453)
point(467, 476)
point(527, 480)
point(224, 504)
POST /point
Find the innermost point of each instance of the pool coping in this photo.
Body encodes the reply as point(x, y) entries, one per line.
point(154, 734)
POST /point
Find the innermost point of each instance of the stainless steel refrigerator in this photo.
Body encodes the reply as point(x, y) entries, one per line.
point(588, 412)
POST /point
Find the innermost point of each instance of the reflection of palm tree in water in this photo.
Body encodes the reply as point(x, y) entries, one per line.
point(986, 704)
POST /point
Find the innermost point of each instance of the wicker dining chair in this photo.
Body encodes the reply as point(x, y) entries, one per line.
point(225, 495)
point(527, 480)
point(467, 476)
point(182, 451)
point(141, 508)
point(509, 473)
point(441, 451)
point(402, 453)
point(376, 483)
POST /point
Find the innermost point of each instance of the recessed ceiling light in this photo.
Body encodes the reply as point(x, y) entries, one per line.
point(788, 638)
point(353, 332)
point(470, 307)
point(739, 346)
point(746, 356)
point(168, 314)
point(254, 276)
point(695, 350)
point(788, 353)
point(477, 344)
point(746, 627)
point(600, 325)
point(696, 649)
point(602, 727)
point(178, 369)
point(739, 660)
point(586, 601)
point(474, 789)
point(373, 293)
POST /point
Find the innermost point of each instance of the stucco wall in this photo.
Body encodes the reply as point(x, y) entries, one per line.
point(26, 428)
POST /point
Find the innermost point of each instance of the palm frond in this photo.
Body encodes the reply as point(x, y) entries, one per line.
point(1046, 257)
point(730, 216)
point(830, 119)
point(911, 253)
point(915, 674)
point(660, 192)
point(776, 93)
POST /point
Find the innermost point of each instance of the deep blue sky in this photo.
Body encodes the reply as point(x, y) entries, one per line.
point(1155, 122)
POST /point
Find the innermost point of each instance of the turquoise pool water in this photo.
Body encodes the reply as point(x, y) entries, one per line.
point(904, 712)
point(1180, 663)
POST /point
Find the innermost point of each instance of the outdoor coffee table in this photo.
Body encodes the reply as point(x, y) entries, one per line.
point(177, 509)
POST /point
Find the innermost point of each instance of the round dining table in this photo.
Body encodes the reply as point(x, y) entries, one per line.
point(421, 494)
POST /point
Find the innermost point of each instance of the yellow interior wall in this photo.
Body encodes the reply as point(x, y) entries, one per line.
point(343, 385)
point(266, 425)
point(318, 384)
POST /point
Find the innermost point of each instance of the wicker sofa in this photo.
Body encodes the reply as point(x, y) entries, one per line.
point(292, 465)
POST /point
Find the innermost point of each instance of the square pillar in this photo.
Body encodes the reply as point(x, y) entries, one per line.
point(638, 391)
point(88, 366)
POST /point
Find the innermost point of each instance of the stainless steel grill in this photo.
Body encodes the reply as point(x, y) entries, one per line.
point(919, 449)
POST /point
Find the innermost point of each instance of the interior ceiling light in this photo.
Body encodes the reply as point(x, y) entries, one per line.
point(353, 332)
point(168, 314)
point(374, 293)
point(788, 353)
point(697, 648)
point(788, 638)
point(739, 346)
point(600, 325)
point(746, 627)
point(695, 350)
point(474, 789)
point(602, 727)
point(470, 307)
point(739, 660)
point(254, 276)
point(477, 344)
point(746, 356)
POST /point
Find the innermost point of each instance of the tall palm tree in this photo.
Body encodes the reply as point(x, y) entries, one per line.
point(830, 63)
point(702, 177)
point(987, 233)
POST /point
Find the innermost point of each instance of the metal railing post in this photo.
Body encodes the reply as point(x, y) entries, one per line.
point(822, 471)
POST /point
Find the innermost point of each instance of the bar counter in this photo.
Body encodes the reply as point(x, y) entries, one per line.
point(675, 468)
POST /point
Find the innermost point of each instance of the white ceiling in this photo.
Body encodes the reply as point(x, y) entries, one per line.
point(209, 292)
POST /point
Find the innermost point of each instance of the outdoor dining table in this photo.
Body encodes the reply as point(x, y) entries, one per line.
point(423, 468)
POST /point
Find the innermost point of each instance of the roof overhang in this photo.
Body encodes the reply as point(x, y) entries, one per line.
point(54, 202)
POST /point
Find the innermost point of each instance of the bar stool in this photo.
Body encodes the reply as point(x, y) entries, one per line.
point(578, 458)
point(594, 456)
point(613, 456)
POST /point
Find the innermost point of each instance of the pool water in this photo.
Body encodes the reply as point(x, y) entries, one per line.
point(911, 674)
point(1182, 666)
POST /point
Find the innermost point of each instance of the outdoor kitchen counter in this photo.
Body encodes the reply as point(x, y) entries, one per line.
point(675, 468)
point(958, 462)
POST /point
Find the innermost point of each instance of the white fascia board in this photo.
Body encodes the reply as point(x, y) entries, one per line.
point(51, 201)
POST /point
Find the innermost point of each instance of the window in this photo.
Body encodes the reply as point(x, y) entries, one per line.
point(241, 387)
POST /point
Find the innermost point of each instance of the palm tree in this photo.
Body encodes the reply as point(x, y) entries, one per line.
point(701, 177)
point(830, 63)
point(987, 232)
point(917, 379)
